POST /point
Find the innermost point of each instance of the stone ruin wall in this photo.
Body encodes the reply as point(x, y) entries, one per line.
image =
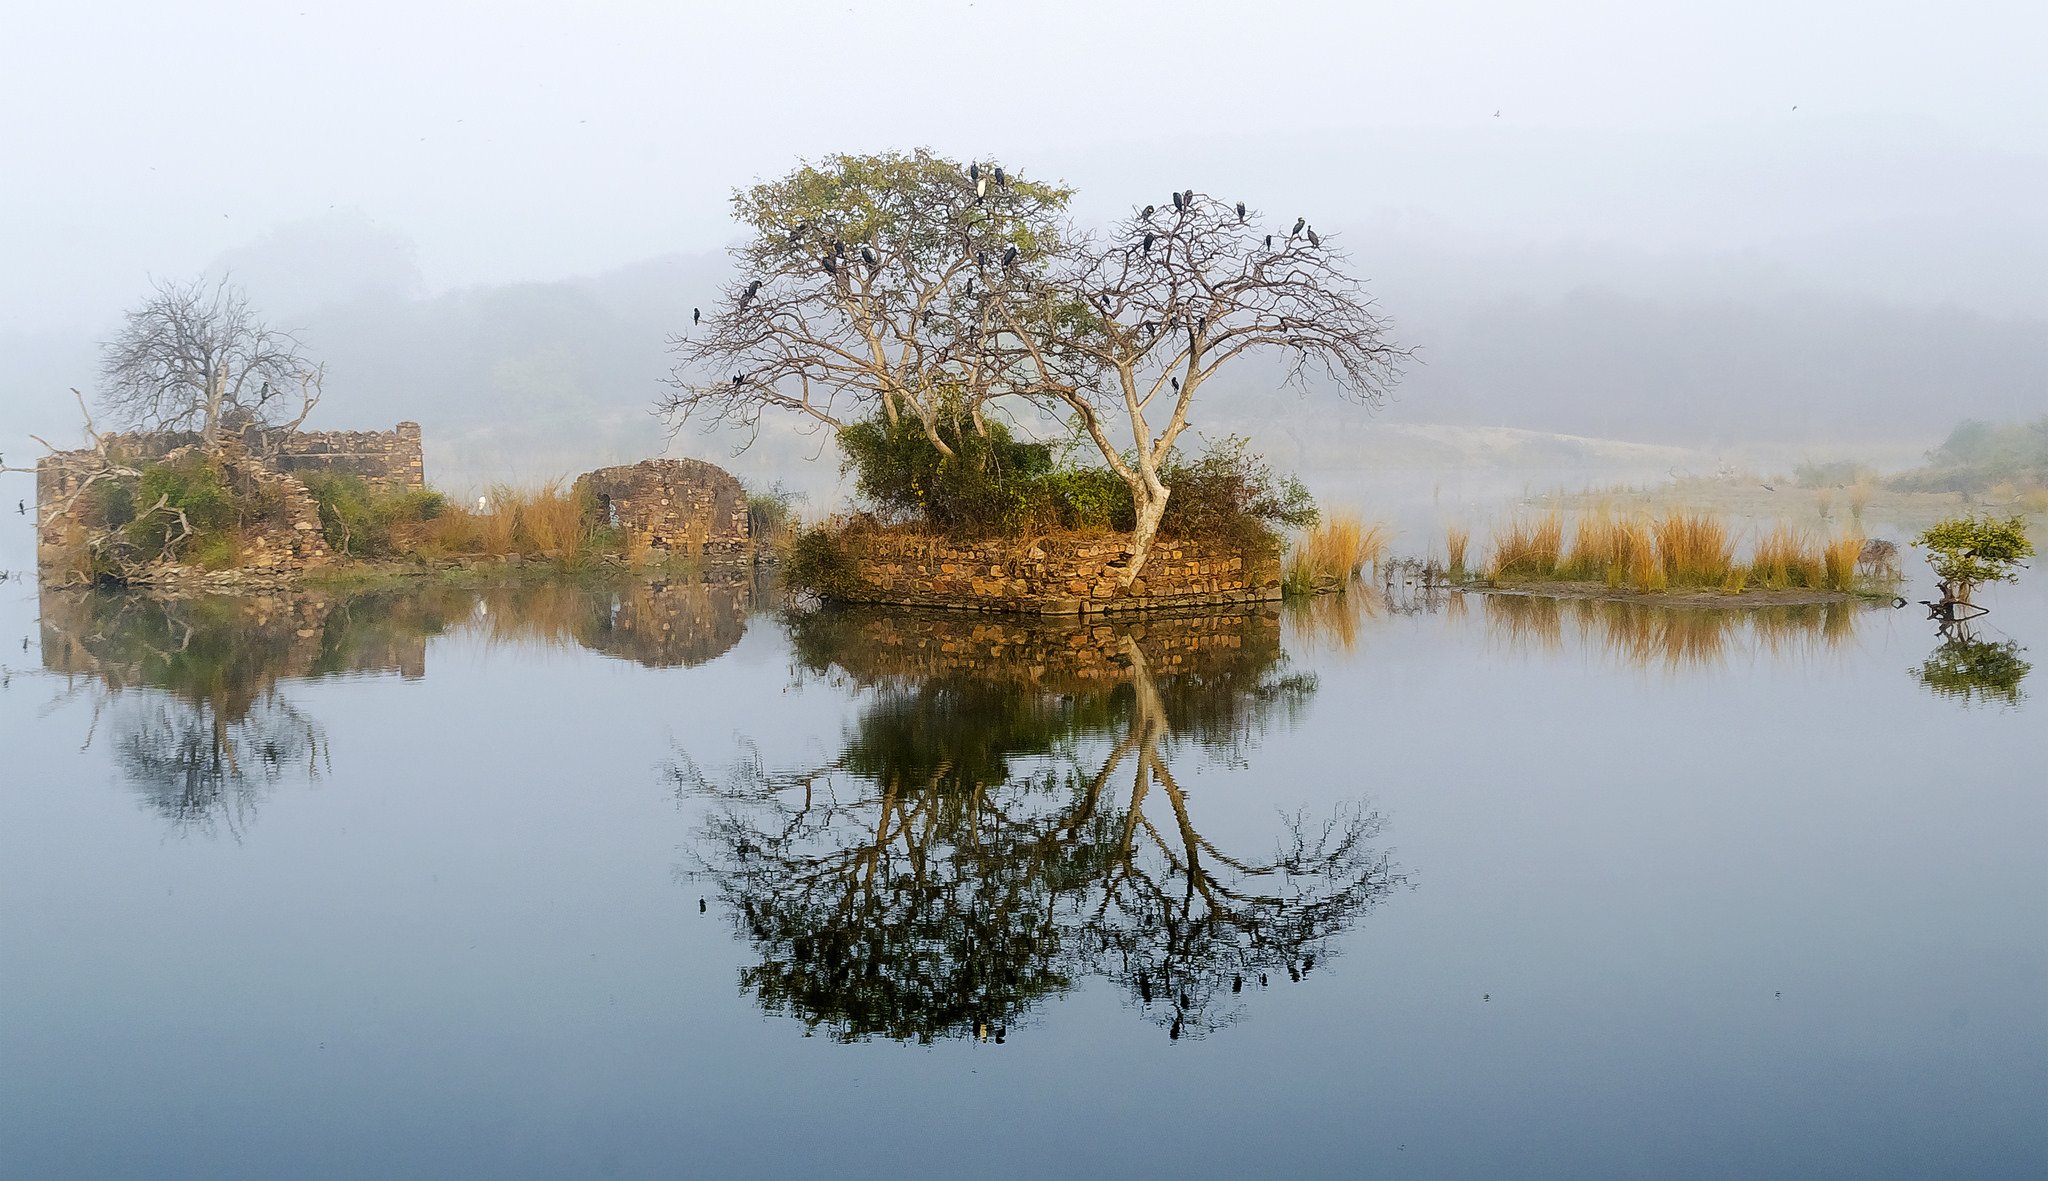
point(685, 507)
point(1052, 576)
point(388, 461)
point(275, 551)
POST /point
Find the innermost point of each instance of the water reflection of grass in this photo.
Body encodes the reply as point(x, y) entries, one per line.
point(1675, 638)
point(1329, 623)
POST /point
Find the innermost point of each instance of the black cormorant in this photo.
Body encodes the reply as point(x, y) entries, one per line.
point(1298, 223)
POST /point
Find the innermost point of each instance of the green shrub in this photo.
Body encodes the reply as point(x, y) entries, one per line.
point(1966, 551)
point(816, 564)
point(193, 485)
point(357, 520)
point(994, 484)
point(771, 513)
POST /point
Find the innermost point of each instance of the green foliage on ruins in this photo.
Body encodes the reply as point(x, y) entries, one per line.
point(359, 520)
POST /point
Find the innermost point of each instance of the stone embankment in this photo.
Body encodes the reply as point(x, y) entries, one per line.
point(1069, 575)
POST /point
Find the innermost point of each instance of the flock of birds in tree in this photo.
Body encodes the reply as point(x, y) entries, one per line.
point(834, 260)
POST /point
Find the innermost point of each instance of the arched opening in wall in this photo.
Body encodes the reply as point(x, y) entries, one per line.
point(608, 509)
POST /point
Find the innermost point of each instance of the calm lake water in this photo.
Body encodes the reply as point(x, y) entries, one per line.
point(652, 881)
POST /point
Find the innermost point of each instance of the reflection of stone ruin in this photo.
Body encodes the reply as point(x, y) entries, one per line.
point(191, 692)
point(657, 623)
point(232, 649)
point(284, 542)
point(685, 507)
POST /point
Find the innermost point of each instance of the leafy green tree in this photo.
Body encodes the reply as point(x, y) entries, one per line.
point(1967, 551)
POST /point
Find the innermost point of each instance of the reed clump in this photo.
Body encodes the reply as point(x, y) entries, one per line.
point(1457, 539)
point(1694, 549)
point(1684, 550)
point(1785, 557)
point(1528, 549)
point(547, 521)
point(1331, 554)
point(1838, 562)
point(1611, 549)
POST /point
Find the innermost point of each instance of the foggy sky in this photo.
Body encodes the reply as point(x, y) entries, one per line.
point(522, 141)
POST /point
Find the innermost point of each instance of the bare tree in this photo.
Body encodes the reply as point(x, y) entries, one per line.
point(195, 357)
point(870, 283)
point(924, 288)
point(1172, 298)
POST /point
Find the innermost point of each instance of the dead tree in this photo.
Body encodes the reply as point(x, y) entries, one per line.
point(195, 357)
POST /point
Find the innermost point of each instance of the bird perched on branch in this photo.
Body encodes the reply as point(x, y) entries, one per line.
point(1269, 241)
point(1188, 198)
point(753, 289)
point(1148, 211)
point(868, 256)
point(1002, 182)
point(696, 315)
point(1298, 223)
point(1240, 213)
point(831, 266)
point(1313, 240)
point(1009, 256)
point(974, 171)
point(1147, 245)
point(1177, 205)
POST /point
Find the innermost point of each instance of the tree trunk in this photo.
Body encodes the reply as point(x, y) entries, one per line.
point(1150, 502)
point(216, 390)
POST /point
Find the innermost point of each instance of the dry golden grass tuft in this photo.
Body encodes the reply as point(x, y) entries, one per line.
point(1457, 540)
point(1838, 562)
point(1528, 549)
point(1694, 549)
point(1331, 554)
point(1784, 557)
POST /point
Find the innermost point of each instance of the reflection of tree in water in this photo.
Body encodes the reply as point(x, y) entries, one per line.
point(188, 690)
point(1974, 671)
point(201, 770)
point(1003, 821)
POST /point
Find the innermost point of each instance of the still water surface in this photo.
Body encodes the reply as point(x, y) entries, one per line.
point(653, 881)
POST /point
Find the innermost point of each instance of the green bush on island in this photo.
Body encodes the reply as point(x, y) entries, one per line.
point(358, 520)
point(997, 485)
